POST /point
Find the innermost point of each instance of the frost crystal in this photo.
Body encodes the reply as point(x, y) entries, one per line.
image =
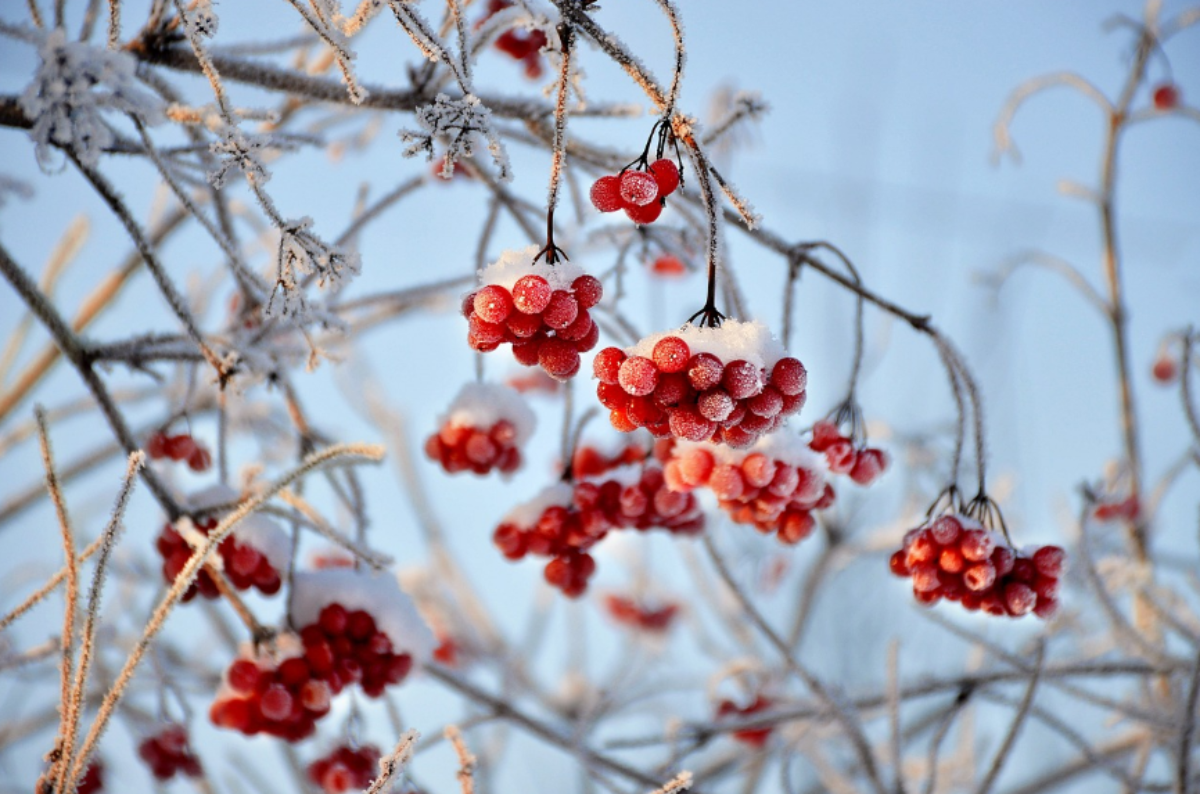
point(455, 124)
point(302, 253)
point(74, 82)
point(241, 152)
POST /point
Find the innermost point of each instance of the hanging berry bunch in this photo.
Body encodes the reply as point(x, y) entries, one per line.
point(540, 307)
point(181, 447)
point(167, 753)
point(640, 188)
point(356, 628)
point(954, 557)
point(483, 430)
point(848, 454)
point(252, 556)
point(346, 768)
point(728, 384)
point(552, 525)
point(774, 485)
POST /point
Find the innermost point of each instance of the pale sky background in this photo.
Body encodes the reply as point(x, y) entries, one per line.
point(879, 140)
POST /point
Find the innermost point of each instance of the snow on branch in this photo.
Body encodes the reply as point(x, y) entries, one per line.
point(457, 124)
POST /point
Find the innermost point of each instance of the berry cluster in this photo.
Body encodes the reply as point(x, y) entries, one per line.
point(630, 612)
point(168, 753)
point(642, 194)
point(540, 309)
point(177, 448)
point(245, 563)
point(518, 44)
point(484, 430)
point(863, 464)
point(773, 486)
point(565, 520)
point(345, 768)
point(729, 384)
point(955, 558)
point(357, 629)
point(755, 737)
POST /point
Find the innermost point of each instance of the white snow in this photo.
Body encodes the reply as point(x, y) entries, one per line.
point(515, 263)
point(782, 445)
point(379, 594)
point(628, 474)
point(256, 530)
point(482, 405)
point(526, 514)
point(750, 341)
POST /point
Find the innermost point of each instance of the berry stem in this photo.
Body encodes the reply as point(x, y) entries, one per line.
point(559, 145)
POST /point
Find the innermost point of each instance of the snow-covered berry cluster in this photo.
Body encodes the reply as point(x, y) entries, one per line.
point(253, 555)
point(181, 447)
point(642, 194)
point(357, 628)
point(955, 558)
point(167, 753)
point(565, 520)
point(540, 309)
point(346, 768)
point(774, 485)
point(729, 384)
point(484, 429)
point(863, 464)
point(638, 615)
point(755, 737)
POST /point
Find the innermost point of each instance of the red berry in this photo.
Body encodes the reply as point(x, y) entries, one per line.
point(531, 294)
point(789, 376)
point(638, 375)
point(1049, 560)
point(561, 311)
point(333, 619)
point(645, 214)
point(588, 291)
point(1166, 97)
point(704, 371)
point(1164, 370)
point(493, 303)
point(667, 265)
point(977, 544)
point(666, 175)
point(156, 446)
point(946, 530)
point(243, 675)
point(1019, 598)
point(606, 194)
point(179, 447)
point(671, 354)
point(741, 379)
point(638, 189)
point(687, 423)
point(559, 358)
point(980, 576)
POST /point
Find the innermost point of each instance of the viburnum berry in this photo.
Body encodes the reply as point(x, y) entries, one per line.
point(774, 485)
point(483, 430)
point(655, 620)
point(644, 214)
point(167, 753)
point(1165, 368)
point(252, 556)
point(606, 194)
point(692, 392)
point(755, 737)
point(1166, 96)
point(641, 193)
point(638, 188)
point(181, 447)
point(345, 768)
point(666, 175)
point(541, 309)
point(516, 42)
point(668, 265)
point(954, 558)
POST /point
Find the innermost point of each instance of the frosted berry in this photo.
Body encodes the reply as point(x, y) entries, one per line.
point(606, 194)
point(666, 175)
point(638, 188)
point(638, 375)
point(644, 214)
point(493, 303)
point(671, 354)
point(588, 291)
point(561, 311)
point(531, 294)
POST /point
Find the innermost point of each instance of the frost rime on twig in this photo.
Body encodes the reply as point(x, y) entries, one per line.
point(73, 83)
point(456, 123)
point(302, 253)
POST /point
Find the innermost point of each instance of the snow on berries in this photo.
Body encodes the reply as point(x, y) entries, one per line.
point(642, 194)
point(252, 556)
point(541, 309)
point(863, 464)
point(954, 557)
point(346, 768)
point(355, 628)
point(484, 429)
point(181, 447)
point(167, 753)
point(773, 485)
point(729, 384)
